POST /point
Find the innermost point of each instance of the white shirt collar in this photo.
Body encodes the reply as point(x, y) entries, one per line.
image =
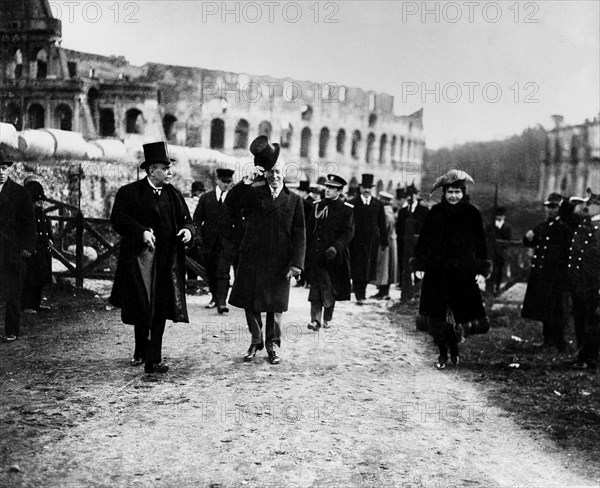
point(153, 187)
point(366, 200)
point(275, 192)
point(218, 193)
point(414, 205)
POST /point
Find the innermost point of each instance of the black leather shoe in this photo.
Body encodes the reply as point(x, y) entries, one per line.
point(136, 362)
point(252, 350)
point(274, 358)
point(211, 305)
point(156, 368)
point(222, 309)
point(314, 325)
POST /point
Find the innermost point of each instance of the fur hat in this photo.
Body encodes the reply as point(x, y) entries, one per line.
point(454, 177)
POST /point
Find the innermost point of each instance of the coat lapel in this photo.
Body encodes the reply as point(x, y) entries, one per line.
point(147, 194)
point(6, 191)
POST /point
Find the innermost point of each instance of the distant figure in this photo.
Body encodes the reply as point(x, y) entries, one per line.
point(17, 244)
point(545, 297)
point(502, 231)
point(154, 223)
point(39, 267)
point(193, 251)
point(307, 199)
point(387, 258)
point(452, 253)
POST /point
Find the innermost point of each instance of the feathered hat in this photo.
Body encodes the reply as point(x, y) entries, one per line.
point(450, 178)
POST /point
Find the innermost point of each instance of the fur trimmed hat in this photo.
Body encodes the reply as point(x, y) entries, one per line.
point(454, 177)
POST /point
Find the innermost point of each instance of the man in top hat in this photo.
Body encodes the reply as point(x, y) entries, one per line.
point(216, 225)
point(17, 243)
point(501, 230)
point(154, 223)
point(370, 232)
point(329, 231)
point(583, 272)
point(272, 248)
point(545, 297)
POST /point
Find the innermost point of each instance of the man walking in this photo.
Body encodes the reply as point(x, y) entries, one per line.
point(369, 233)
point(154, 223)
point(328, 234)
point(272, 249)
point(17, 242)
point(216, 224)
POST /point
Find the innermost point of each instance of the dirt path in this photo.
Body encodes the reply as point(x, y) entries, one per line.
point(360, 405)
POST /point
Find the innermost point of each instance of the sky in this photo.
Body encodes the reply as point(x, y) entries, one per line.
point(480, 70)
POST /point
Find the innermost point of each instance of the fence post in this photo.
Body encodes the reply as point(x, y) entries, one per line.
point(79, 250)
point(409, 247)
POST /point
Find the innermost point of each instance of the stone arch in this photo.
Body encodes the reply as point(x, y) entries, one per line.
point(93, 95)
point(107, 122)
point(390, 187)
point(41, 59)
point(13, 115)
point(370, 144)
point(287, 132)
point(307, 113)
point(382, 148)
point(323, 142)
point(393, 147)
point(217, 134)
point(168, 123)
point(305, 139)
point(340, 141)
point(372, 120)
point(63, 117)
point(265, 129)
point(242, 129)
point(356, 138)
point(17, 65)
point(402, 158)
point(379, 186)
point(134, 121)
point(36, 116)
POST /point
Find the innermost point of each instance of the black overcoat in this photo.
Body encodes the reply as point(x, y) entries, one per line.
point(547, 282)
point(17, 233)
point(370, 232)
point(216, 224)
point(451, 250)
point(418, 215)
point(134, 211)
point(583, 266)
point(273, 241)
point(39, 267)
point(329, 279)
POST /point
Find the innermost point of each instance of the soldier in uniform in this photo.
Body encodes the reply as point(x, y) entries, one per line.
point(216, 224)
point(328, 233)
point(546, 288)
point(370, 232)
point(583, 270)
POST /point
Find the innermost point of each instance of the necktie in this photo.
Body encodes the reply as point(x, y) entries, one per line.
point(221, 198)
point(156, 192)
point(274, 194)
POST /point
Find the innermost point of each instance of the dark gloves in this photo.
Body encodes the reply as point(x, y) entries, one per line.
point(331, 252)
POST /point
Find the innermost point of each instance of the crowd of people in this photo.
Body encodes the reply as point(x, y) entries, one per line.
point(332, 239)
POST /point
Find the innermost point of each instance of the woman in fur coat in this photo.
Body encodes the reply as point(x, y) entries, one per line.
point(451, 251)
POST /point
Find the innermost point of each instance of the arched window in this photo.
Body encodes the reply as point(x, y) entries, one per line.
point(241, 134)
point(307, 113)
point(36, 116)
point(169, 127)
point(305, 138)
point(217, 134)
point(107, 122)
point(134, 121)
point(382, 148)
point(63, 117)
point(370, 142)
point(92, 98)
point(42, 64)
point(323, 142)
point(393, 147)
point(287, 132)
point(409, 156)
point(356, 137)
point(372, 120)
point(13, 115)
point(340, 141)
point(265, 129)
point(18, 64)
point(402, 157)
point(379, 186)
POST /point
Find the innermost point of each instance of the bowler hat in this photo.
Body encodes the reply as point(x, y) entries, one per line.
point(453, 177)
point(198, 186)
point(36, 190)
point(335, 181)
point(367, 180)
point(225, 175)
point(554, 200)
point(4, 159)
point(156, 152)
point(265, 153)
point(304, 186)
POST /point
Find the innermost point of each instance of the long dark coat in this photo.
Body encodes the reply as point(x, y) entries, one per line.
point(370, 232)
point(583, 268)
point(273, 241)
point(17, 233)
point(329, 279)
point(216, 224)
point(418, 215)
point(451, 250)
point(547, 282)
point(136, 210)
point(39, 267)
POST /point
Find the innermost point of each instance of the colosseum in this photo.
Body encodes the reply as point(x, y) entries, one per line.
point(61, 104)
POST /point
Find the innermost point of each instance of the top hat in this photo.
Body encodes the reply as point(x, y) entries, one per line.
point(156, 152)
point(454, 177)
point(304, 186)
point(384, 195)
point(554, 200)
point(198, 186)
point(400, 193)
point(367, 180)
point(335, 181)
point(265, 153)
point(412, 190)
point(225, 175)
point(4, 159)
point(36, 190)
